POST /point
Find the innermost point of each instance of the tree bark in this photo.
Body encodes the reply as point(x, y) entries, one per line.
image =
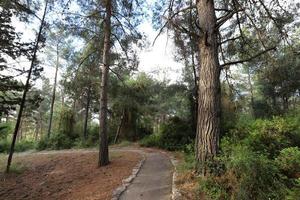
point(103, 143)
point(88, 100)
point(53, 93)
point(120, 126)
point(208, 123)
point(251, 90)
point(27, 84)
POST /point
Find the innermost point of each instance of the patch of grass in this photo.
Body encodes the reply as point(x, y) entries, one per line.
point(124, 143)
point(114, 155)
point(187, 164)
point(17, 168)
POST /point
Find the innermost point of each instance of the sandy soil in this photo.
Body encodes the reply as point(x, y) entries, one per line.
point(72, 175)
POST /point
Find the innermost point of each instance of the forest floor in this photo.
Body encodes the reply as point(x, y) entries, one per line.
point(67, 174)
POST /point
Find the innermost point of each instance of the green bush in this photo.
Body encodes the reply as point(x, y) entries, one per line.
point(20, 146)
point(93, 133)
point(5, 130)
point(175, 134)
point(152, 140)
point(294, 193)
point(66, 123)
point(247, 175)
point(42, 144)
point(56, 141)
point(271, 136)
point(289, 161)
point(24, 145)
point(4, 145)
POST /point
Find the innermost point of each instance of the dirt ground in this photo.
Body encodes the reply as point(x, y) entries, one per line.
point(71, 175)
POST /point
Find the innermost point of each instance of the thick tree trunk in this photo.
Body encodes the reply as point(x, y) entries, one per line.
point(208, 125)
point(87, 107)
point(103, 148)
point(53, 93)
point(22, 105)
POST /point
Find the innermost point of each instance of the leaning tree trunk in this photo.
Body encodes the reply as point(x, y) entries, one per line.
point(208, 123)
point(27, 84)
point(120, 126)
point(103, 144)
point(53, 93)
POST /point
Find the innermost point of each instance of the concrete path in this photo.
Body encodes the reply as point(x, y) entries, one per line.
point(154, 181)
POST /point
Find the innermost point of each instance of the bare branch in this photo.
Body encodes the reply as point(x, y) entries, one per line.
point(226, 17)
point(247, 59)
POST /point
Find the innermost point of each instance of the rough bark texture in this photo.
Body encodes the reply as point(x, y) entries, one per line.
point(53, 93)
point(103, 148)
point(27, 84)
point(208, 125)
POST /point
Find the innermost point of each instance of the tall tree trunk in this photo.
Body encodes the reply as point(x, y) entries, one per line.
point(87, 107)
point(20, 132)
point(120, 126)
point(208, 125)
point(285, 103)
point(251, 90)
point(103, 143)
point(27, 84)
point(53, 92)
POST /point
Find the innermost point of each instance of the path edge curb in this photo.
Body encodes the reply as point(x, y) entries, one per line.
point(176, 195)
point(127, 181)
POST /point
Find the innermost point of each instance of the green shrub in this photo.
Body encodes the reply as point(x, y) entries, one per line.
point(56, 141)
point(66, 123)
point(247, 175)
point(294, 193)
point(5, 130)
point(42, 144)
point(60, 141)
point(152, 140)
point(24, 145)
point(20, 146)
point(289, 161)
point(189, 158)
point(271, 136)
point(175, 134)
point(4, 145)
point(93, 134)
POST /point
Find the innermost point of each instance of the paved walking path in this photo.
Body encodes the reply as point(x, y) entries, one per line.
point(154, 181)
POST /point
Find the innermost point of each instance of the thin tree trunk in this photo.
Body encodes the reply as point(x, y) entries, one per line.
point(20, 132)
point(22, 105)
point(88, 100)
point(119, 127)
point(103, 143)
point(285, 102)
point(36, 131)
point(251, 90)
point(53, 93)
point(208, 125)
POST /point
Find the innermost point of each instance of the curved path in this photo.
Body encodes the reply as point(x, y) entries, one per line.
point(154, 180)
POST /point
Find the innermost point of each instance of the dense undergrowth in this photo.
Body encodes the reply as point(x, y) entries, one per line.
point(258, 159)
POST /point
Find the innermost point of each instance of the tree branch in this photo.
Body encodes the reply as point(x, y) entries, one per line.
point(247, 59)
